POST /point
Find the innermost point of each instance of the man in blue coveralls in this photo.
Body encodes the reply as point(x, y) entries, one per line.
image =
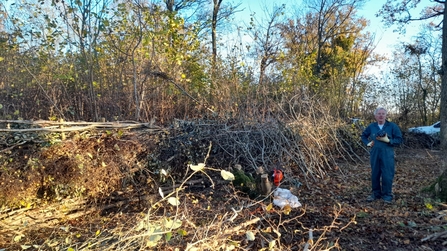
point(381, 136)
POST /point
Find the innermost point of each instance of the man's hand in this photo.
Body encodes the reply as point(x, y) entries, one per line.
point(370, 144)
point(384, 138)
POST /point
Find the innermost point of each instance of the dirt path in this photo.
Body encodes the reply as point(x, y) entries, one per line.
point(407, 224)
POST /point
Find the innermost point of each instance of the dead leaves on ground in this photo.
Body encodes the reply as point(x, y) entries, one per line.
point(334, 210)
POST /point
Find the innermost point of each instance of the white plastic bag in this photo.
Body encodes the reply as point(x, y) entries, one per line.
point(283, 197)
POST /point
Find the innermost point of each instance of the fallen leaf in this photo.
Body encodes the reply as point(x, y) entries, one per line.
point(171, 224)
point(226, 175)
point(182, 232)
point(168, 236)
point(17, 238)
point(173, 201)
point(197, 167)
point(272, 244)
point(161, 192)
point(287, 209)
point(250, 235)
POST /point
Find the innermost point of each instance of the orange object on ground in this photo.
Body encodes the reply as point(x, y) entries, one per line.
point(277, 176)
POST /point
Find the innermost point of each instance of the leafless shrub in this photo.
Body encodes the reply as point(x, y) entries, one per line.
point(306, 140)
point(420, 140)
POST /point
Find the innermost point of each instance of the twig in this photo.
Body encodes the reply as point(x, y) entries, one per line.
point(208, 153)
point(240, 226)
point(310, 241)
point(166, 77)
point(11, 147)
point(434, 236)
point(79, 128)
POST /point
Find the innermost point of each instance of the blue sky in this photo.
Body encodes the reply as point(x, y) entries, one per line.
point(386, 39)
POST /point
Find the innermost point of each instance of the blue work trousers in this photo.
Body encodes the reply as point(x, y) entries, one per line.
point(382, 172)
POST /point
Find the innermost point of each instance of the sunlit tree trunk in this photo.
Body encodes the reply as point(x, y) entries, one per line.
point(216, 8)
point(442, 180)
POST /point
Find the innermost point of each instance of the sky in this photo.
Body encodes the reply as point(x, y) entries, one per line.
point(385, 38)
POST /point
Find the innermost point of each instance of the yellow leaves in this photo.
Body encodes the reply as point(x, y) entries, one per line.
point(171, 224)
point(287, 209)
point(173, 201)
point(272, 244)
point(24, 203)
point(19, 237)
point(226, 175)
point(282, 55)
point(269, 207)
point(182, 232)
point(197, 167)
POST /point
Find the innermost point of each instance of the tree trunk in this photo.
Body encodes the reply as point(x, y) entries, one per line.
point(216, 8)
point(443, 134)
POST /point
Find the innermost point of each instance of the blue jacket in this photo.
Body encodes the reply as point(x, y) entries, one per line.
point(393, 131)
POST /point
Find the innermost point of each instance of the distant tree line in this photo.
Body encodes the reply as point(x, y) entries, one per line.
point(142, 59)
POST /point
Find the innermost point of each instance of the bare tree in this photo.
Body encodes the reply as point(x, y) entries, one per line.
point(219, 12)
point(84, 21)
point(214, 18)
point(267, 38)
point(418, 51)
point(328, 22)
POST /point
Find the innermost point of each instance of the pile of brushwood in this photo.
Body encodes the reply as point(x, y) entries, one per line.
point(121, 186)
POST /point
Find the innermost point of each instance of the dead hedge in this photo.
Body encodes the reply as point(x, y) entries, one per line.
point(96, 163)
point(116, 169)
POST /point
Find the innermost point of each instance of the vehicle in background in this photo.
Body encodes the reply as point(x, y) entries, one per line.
point(430, 130)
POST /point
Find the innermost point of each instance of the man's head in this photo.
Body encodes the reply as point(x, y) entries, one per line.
point(380, 115)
